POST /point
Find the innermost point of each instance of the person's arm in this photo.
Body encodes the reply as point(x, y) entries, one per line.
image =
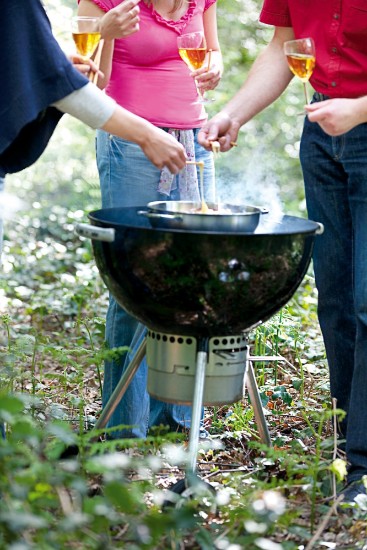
point(94, 108)
point(118, 22)
point(339, 115)
point(267, 79)
point(209, 79)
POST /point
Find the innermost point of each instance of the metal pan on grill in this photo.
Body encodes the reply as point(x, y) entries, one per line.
point(187, 215)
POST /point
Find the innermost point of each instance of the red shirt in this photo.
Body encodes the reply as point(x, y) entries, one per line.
point(339, 30)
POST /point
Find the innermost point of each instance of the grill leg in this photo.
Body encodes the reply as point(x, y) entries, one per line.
point(254, 394)
point(201, 361)
point(121, 387)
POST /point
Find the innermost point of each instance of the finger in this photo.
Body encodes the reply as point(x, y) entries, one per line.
point(310, 108)
point(82, 68)
point(133, 10)
point(225, 143)
point(173, 168)
point(213, 132)
point(317, 115)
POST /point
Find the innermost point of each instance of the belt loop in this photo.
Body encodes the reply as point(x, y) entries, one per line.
point(320, 97)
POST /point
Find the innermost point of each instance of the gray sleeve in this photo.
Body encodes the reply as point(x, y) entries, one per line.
point(89, 104)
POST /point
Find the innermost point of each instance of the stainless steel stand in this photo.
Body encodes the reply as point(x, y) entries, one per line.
point(250, 383)
point(121, 387)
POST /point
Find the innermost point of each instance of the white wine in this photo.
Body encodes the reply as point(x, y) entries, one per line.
point(193, 57)
point(301, 65)
point(86, 42)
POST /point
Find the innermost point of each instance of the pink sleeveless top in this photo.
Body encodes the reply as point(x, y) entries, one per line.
point(148, 76)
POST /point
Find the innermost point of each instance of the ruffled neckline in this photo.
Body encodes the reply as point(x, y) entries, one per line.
point(179, 25)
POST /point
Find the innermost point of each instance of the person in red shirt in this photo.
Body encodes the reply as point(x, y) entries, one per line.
point(334, 162)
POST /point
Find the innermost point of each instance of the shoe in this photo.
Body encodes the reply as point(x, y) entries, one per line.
point(352, 491)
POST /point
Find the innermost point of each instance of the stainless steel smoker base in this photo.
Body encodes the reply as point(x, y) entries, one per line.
point(192, 481)
point(249, 383)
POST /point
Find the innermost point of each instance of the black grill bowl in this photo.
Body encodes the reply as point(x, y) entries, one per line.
point(202, 283)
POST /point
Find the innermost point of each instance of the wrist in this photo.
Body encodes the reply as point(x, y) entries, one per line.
point(362, 108)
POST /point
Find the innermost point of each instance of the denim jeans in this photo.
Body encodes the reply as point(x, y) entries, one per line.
point(335, 176)
point(128, 178)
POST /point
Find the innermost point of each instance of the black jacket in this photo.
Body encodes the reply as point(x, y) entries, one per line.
point(34, 74)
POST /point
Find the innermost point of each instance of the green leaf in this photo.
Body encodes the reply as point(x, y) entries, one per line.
point(11, 404)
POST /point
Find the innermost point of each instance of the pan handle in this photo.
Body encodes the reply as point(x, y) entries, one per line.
point(263, 209)
point(159, 216)
point(106, 234)
point(320, 229)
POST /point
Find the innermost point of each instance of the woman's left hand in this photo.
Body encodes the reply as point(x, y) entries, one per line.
point(209, 75)
point(207, 80)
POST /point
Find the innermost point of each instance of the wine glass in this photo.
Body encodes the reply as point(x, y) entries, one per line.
point(301, 57)
point(86, 34)
point(192, 49)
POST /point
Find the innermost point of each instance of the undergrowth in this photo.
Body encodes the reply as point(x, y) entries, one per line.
point(110, 493)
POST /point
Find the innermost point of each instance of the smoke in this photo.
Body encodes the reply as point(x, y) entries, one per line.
point(255, 185)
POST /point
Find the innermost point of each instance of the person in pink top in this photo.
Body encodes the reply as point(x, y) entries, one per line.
point(144, 73)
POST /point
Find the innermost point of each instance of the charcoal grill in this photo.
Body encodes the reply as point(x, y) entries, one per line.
point(199, 293)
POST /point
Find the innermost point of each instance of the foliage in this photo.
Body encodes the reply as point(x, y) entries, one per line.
point(111, 494)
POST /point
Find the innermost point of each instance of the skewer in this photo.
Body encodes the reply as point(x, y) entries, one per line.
point(215, 148)
point(204, 207)
point(93, 77)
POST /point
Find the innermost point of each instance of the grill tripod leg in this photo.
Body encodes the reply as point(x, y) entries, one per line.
point(197, 405)
point(121, 387)
point(254, 394)
point(192, 485)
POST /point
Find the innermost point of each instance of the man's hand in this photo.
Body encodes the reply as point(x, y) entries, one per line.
point(338, 116)
point(221, 128)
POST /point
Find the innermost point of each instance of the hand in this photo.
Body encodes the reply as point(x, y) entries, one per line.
point(162, 150)
point(121, 21)
point(84, 66)
point(207, 80)
point(221, 128)
point(337, 116)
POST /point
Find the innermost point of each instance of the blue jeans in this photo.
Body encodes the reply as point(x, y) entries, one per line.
point(335, 175)
point(128, 178)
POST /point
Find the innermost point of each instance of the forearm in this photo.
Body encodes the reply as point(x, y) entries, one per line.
point(97, 110)
point(128, 126)
point(106, 64)
point(267, 79)
point(89, 105)
point(360, 110)
point(214, 57)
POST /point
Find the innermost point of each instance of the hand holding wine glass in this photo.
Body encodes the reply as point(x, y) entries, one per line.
point(192, 49)
point(301, 57)
point(86, 34)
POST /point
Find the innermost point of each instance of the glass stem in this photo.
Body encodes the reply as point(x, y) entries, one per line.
point(306, 93)
point(201, 96)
